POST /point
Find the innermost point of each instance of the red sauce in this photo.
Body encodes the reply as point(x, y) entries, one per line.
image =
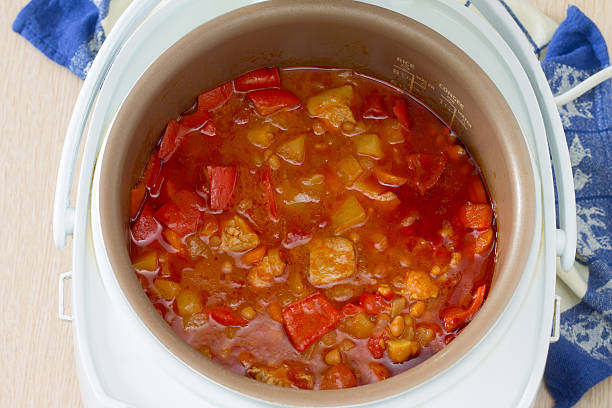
point(312, 228)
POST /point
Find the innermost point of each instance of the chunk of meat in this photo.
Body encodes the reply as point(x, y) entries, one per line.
point(420, 286)
point(337, 377)
point(262, 275)
point(283, 376)
point(331, 260)
point(425, 170)
point(237, 235)
point(332, 105)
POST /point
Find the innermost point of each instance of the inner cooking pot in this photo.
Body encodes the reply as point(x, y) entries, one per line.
point(347, 34)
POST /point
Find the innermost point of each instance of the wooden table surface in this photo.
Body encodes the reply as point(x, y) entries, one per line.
point(37, 365)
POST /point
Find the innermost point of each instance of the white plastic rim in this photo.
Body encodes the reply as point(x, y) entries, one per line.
point(101, 118)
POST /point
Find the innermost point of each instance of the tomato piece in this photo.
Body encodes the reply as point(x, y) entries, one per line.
point(209, 129)
point(372, 304)
point(377, 344)
point(222, 184)
point(374, 108)
point(269, 193)
point(426, 170)
point(174, 136)
point(308, 319)
point(136, 196)
point(454, 316)
point(351, 309)
point(257, 79)
point(182, 214)
point(337, 377)
point(146, 228)
point(268, 101)
point(400, 109)
point(151, 171)
point(226, 316)
point(217, 97)
point(476, 216)
point(196, 119)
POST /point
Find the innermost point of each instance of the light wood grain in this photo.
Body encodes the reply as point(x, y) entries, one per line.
point(36, 348)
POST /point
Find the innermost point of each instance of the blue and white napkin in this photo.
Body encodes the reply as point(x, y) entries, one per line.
point(70, 32)
point(583, 355)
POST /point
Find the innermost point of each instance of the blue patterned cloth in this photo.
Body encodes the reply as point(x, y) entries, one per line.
point(67, 31)
point(583, 355)
point(70, 32)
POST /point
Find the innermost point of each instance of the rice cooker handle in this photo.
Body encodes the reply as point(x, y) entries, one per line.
point(565, 237)
point(63, 212)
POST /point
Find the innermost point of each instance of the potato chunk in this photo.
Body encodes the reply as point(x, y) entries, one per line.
point(349, 169)
point(420, 286)
point(368, 144)
point(237, 235)
point(262, 274)
point(331, 259)
point(261, 136)
point(293, 151)
point(348, 215)
point(401, 350)
point(332, 105)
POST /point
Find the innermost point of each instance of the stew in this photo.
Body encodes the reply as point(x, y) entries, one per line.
point(312, 228)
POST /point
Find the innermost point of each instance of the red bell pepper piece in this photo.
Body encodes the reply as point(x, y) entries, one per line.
point(226, 316)
point(182, 214)
point(146, 228)
point(425, 170)
point(173, 137)
point(222, 184)
point(476, 216)
point(196, 119)
point(151, 171)
point(372, 304)
point(377, 344)
point(351, 309)
point(269, 193)
point(374, 108)
point(258, 79)
point(400, 109)
point(268, 101)
point(217, 97)
point(308, 319)
point(454, 316)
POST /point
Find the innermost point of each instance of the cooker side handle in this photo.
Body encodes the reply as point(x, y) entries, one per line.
point(566, 235)
point(63, 212)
